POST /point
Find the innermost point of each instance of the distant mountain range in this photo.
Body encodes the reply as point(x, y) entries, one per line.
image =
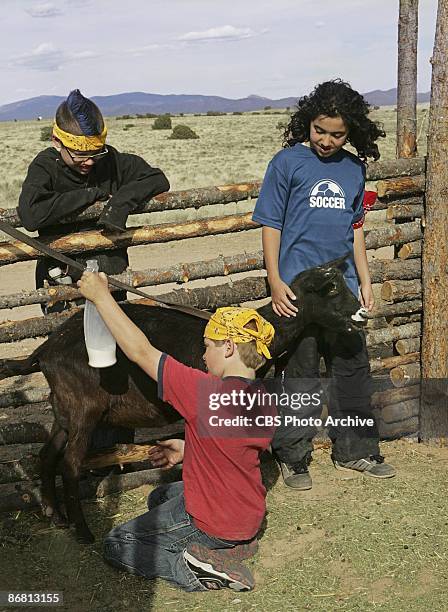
point(140, 102)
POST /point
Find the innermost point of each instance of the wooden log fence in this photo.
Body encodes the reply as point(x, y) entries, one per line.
point(94, 240)
point(380, 270)
point(410, 250)
point(393, 333)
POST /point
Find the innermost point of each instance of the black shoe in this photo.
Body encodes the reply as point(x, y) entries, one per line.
point(373, 466)
point(296, 478)
point(214, 571)
point(296, 475)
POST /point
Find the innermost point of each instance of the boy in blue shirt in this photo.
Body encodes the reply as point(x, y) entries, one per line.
point(311, 210)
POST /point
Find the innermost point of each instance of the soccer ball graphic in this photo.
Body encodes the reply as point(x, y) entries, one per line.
point(327, 189)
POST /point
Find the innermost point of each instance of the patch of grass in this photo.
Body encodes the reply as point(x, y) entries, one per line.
point(351, 543)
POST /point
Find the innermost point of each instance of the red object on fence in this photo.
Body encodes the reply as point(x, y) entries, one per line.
point(368, 203)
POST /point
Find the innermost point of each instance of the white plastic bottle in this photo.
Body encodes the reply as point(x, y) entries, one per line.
point(100, 344)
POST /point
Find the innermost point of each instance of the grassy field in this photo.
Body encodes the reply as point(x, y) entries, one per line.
point(350, 544)
point(231, 148)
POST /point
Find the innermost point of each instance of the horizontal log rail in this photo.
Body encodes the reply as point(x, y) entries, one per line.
point(394, 413)
point(387, 363)
point(404, 211)
point(392, 235)
point(410, 250)
point(403, 375)
point(381, 399)
point(94, 240)
point(391, 310)
point(380, 270)
point(224, 194)
point(408, 185)
point(390, 334)
point(408, 345)
point(26, 466)
point(401, 429)
point(386, 203)
point(208, 298)
point(401, 290)
point(26, 495)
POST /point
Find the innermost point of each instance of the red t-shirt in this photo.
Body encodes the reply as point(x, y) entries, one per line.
point(224, 492)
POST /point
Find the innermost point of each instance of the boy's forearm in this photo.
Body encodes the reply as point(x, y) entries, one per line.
point(360, 256)
point(271, 249)
point(132, 341)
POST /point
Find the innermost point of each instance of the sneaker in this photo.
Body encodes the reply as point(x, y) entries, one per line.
point(215, 571)
point(373, 466)
point(296, 476)
point(240, 552)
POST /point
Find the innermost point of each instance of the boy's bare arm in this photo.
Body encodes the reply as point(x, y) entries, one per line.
point(132, 341)
point(280, 292)
point(362, 268)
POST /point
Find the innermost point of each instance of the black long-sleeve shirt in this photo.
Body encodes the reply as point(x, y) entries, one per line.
point(52, 190)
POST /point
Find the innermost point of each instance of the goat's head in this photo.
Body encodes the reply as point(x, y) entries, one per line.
point(327, 299)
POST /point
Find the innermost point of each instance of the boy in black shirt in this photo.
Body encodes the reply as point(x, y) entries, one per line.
point(76, 172)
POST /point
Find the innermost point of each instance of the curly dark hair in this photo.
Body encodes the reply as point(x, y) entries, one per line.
point(332, 99)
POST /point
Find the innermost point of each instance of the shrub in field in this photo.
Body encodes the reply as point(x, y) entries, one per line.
point(163, 122)
point(215, 113)
point(183, 132)
point(237, 113)
point(128, 126)
point(267, 108)
point(45, 133)
point(124, 117)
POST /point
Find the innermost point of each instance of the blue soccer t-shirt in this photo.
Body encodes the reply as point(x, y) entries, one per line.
point(314, 202)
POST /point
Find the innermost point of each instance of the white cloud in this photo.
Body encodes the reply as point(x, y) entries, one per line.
point(46, 57)
point(222, 33)
point(45, 9)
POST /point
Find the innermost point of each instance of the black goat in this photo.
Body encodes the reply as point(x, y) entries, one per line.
point(123, 395)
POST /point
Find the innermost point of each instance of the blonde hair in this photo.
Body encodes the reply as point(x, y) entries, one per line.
point(247, 351)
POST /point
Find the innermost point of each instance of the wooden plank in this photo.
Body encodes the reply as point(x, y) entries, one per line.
point(380, 270)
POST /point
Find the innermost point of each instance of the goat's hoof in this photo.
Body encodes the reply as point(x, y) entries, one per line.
point(84, 537)
point(59, 520)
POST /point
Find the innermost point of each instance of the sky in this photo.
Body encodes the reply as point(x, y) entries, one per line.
point(230, 48)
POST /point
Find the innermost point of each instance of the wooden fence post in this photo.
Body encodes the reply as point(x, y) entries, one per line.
point(434, 409)
point(407, 79)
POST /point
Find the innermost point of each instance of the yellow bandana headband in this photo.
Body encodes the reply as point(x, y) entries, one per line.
point(80, 143)
point(229, 323)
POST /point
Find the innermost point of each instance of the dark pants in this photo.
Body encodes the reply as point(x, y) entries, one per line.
point(152, 545)
point(111, 263)
point(349, 390)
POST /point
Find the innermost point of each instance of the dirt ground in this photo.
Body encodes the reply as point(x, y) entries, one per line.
point(351, 543)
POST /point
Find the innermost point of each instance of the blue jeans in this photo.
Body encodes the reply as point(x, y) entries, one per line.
point(152, 545)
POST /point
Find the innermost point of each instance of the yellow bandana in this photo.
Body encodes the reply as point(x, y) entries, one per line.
point(80, 143)
point(230, 322)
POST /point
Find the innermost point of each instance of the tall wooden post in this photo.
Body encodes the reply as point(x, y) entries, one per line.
point(407, 79)
point(434, 409)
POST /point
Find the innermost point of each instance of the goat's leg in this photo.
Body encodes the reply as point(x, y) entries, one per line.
point(49, 455)
point(75, 452)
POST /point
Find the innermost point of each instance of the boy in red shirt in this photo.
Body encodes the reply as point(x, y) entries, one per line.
point(221, 502)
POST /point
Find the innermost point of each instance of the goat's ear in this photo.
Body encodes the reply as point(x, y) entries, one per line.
point(336, 263)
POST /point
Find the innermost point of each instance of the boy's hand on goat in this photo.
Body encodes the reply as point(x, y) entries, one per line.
point(281, 295)
point(93, 286)
point(166, 454)
point(366, 296)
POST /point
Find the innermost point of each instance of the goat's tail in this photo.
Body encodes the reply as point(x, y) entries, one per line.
point(21, 365)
